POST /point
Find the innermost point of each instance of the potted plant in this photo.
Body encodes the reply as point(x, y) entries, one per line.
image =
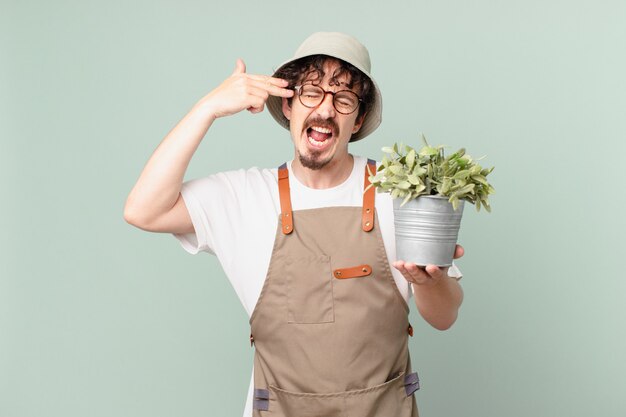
point(429, 190)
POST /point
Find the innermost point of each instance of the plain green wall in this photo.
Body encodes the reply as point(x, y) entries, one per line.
point(98, 318)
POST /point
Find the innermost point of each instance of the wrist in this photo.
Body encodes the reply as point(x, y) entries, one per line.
point(205, 111)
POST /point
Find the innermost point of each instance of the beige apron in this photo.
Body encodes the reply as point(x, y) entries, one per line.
point(330, 326)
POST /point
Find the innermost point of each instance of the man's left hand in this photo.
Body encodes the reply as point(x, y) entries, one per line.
point(431, 274)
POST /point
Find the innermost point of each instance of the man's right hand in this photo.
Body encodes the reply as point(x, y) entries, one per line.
point(155, 202)
point(242, 91)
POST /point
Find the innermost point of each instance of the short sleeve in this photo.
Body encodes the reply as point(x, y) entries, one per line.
point(455, 272)
point(198, 241)
point(214, 204)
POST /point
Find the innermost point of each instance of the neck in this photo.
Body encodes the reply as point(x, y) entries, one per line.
point(331, 175)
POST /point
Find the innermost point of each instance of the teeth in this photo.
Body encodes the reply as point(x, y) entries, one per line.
point(317, 143)
point(321, 129)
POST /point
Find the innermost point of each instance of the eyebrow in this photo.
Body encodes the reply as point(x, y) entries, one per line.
point(317, 81)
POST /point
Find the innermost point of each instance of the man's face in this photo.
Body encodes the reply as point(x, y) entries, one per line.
point(321, 134)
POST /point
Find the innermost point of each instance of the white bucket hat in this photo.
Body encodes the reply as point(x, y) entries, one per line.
point(348, 49)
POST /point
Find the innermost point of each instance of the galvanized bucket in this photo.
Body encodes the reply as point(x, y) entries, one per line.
point(427, 229)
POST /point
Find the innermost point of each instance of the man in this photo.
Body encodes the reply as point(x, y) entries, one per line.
point(307, 251)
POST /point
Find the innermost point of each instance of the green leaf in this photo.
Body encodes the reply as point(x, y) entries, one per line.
point(468, 188)
point(419, 189)
point(428, 151)
point(410, 158)
point(485, 203)
point(413, 179)
point(396, 169)
point(458, 184)
point(480, 179)
point(404, 185)
point(395, 193)
point(454, 201)
point(376, 178)
point(461, 175)
point(445, 187)
point(406, 199)
point(419, 171)
point(475, 170)
point(486, 171)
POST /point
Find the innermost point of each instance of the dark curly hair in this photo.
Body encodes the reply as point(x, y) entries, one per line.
point(303, 68)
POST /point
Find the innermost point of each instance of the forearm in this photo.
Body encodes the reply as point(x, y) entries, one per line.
point(439, 302)
point(160, 182)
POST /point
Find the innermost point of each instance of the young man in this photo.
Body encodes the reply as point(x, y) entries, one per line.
point(307, 252)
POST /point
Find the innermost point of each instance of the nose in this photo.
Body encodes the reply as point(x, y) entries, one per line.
point(326, 109)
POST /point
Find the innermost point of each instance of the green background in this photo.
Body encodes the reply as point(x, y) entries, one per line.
point(98, 318)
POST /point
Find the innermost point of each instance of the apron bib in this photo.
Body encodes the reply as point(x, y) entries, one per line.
point(330, 326)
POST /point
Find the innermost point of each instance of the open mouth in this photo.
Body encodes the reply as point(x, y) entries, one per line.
point(319, 136)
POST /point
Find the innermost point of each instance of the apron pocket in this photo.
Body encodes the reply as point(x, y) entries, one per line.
point(384, 400)
point(309, 290)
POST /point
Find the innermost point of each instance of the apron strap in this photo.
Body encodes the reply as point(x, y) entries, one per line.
point(369, 198)
point(285, 199)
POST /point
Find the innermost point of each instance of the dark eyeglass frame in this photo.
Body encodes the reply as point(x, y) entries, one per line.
point(298, 89)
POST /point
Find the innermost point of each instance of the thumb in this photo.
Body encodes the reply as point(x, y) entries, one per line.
point(240, 67)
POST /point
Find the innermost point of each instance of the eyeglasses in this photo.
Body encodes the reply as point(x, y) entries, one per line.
point(344, 101)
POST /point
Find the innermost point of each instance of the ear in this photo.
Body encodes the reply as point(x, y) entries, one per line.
point(286, 109)
point(358, 123)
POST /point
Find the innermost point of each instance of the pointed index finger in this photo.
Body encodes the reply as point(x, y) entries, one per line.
point(279, 82)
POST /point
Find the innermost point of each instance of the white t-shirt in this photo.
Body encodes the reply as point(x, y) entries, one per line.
point(235, 217)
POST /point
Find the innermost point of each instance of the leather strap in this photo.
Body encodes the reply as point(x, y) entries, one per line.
point(369, 198)
point(286, 215)
point(353, 272)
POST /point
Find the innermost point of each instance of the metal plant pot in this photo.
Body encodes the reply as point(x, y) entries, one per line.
point(427, 229)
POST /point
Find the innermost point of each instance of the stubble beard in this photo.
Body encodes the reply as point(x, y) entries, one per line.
point(312, 161)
